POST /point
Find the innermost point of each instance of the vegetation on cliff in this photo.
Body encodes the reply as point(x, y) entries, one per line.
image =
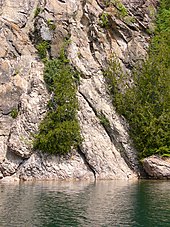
point(146, 103)
point(59, 132)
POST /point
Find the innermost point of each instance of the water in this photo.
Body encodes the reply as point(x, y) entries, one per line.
point(106, 203)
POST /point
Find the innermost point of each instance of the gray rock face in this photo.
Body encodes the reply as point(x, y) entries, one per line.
point(104, 154)
point(157, 168)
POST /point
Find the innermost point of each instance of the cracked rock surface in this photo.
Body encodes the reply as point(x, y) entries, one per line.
point(104, 154)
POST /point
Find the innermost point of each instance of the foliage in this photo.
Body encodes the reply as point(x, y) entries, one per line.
point(37, 11)
point(152, 11)
point(129, 20)
point(60, 131)
point(14, 113)
point(146, 104)
point(43, 48)
point(51, 25)
point(104, 20)
point(122, 9)
point(116, 82)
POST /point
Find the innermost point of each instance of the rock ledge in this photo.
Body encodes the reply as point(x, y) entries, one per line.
point(157, 168)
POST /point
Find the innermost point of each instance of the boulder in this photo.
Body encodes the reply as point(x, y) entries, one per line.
point(156, 167)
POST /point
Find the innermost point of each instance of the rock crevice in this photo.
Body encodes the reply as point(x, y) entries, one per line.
point(106, 153)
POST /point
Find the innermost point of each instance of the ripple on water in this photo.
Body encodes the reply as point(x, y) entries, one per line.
point(105, 203)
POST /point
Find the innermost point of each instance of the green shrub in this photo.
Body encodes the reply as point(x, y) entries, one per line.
point(146, 104)
point(51, 25)
point(107, 3)
point(37, 11)
point(166, 155)
point(121, 12)
point(14, 113)
point(104, 20)
point(129, 20)
point(59, 132)
point(122, 9)
point(43, 48)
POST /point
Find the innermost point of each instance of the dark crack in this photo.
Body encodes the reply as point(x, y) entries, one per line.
point(100, 4)
point(92, 34)
point(89, 103)
point(113, 134)
point(90, 167)
point(15, 48)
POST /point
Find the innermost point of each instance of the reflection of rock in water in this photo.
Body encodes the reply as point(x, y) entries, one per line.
point(105, 203)
point(65, 204)
point(23, 91)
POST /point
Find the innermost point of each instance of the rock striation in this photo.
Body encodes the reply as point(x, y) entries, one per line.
point(104, 154)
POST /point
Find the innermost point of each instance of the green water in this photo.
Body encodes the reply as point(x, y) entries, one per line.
point(106, 203)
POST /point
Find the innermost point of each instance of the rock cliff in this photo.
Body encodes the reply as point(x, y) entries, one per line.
point(96, 29)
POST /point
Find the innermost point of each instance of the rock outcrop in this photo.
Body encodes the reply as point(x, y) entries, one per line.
point(104, 154)
point(157, 167)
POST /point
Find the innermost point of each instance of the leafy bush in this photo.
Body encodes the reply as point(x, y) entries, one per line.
point(43, 48)
point(60, 131)
point(146, 104)
point(14, 113)
point(51, 25)
point(121, 9)
point(37, 11)
point(104, 20)
point(129, 20)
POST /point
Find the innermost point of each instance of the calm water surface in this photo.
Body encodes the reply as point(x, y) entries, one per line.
point(106, 203)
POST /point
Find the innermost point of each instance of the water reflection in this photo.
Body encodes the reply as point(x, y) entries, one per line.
point(152, 206)
point(105, 203)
